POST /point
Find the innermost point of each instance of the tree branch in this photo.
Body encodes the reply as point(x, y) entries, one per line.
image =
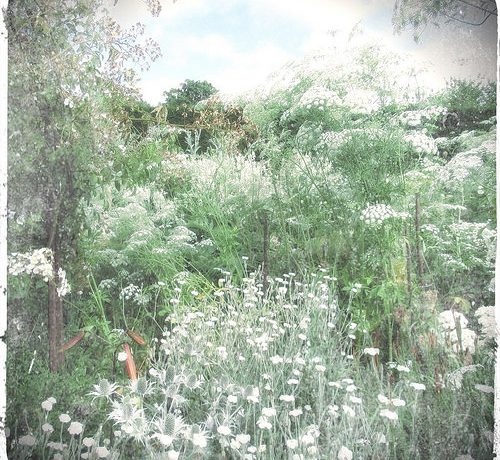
point(479, 7)
point(453, 18)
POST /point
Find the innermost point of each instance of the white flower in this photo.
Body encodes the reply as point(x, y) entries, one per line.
point(234, 444)
point(287, 398)
point(88, 442)
point(292, 443)
point(264, 424)
point(27, 440)
point(383, 399)
point(56, 445)
point(254, 395)
point(356, 400)
point(320, 368)
point(52, 400)
point(417, 386)
point(47, 405)
point(486, 317)
point(295, 412)
point(398, 402)
point(75, 428)
point(307, 439)
point(348, 410)
point(376, 214)
point(389, 414)
point(371, 351)
point(172, 455)
point(292, 382)
point(102, 452)
point(344, 454)
point(224, 430)
point(333, 410)
point(64, 418)
point(401, 368)
point(300, 361)
point(232, 399)
point(243, 438)
point(268, 411)
point(350, 388)
point(199, 440)
point(163, 438)
point(449, 319)
point(312, 450)
point(47, 428)
point(122, 356)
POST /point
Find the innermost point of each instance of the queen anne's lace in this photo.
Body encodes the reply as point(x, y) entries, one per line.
point(376, 214)
point(422, 143)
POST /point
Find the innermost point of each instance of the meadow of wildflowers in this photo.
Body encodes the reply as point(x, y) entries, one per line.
point(324, 292)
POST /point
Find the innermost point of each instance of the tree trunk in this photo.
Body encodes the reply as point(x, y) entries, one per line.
point(55, 317)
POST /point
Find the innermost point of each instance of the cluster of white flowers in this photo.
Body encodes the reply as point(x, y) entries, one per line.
point(319, 98)
point(421, 142)
point(486, 318)
point(63, 287)
point(181, 235)
point(414, 118)
point(362, 101)
point(38, 263)
point(333, 140)
point(453, 326)
point(229, 176)
point(135, 294)
point(376, 214)
point(308, 134)
point(461, 166)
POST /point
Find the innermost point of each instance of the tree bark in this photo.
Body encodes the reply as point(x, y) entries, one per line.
point(408, 268)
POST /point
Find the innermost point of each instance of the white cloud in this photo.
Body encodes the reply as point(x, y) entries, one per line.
point(249, 69)
point(318, 15)
point(240, 72)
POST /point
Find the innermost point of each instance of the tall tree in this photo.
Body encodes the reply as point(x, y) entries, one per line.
point(418, 13)
point(65, 60)
point(180, 102)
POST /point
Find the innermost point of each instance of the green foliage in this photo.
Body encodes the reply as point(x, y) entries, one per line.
point(180, 102)
point(472, 104)
point(409, 13)
point(276, 241)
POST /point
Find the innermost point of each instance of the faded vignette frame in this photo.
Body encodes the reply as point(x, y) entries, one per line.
point(3, 242)
point(3, 226)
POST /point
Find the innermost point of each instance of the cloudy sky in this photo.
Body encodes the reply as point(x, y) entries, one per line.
point(236, 44)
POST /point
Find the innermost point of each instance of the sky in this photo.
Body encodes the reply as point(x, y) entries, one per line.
point(237, 44)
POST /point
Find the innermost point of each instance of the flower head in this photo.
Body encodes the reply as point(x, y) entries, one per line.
point(75, 428)
point(389, 414)
point(344, 454)
point(371, 351)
